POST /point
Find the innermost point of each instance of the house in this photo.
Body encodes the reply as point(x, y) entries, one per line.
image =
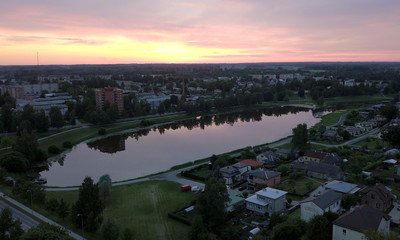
point(314, 156)
point(268, 156)
point(337, 186)
point(324, 171)
point(378, 197)
point(233, 173)
point(286, 152)
point(328, 201)
point(354, 131)
point(264, 177)
point(353, 224)
point(235, 200)
point(330, 134)
point(267, 201)
point(229, 174)
point(252, 164)
point(332, 158)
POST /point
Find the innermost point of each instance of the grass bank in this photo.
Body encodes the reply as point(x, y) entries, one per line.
point(143, 208)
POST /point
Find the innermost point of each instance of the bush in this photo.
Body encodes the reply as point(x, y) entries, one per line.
point(53, 149)
point(67, 144)
point(14, 162)
point(102, 131)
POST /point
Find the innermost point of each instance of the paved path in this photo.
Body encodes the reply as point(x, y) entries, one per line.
point(27, 221)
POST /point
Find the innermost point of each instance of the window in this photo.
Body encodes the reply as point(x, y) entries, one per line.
point(372, 196)
point(344, 232)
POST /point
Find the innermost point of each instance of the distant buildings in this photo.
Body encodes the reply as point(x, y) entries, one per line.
point(113, 96)
point(26, 91)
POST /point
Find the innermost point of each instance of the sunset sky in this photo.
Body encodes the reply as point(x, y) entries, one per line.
point(192, 31)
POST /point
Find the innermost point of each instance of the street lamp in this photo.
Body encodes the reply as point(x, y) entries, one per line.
point(81, 215)
point(31, 199)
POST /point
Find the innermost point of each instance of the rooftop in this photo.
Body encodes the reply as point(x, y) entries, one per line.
point(271, 193)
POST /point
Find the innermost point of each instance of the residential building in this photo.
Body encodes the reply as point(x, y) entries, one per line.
point(353, 224)
point(332, 158)
point(337, 186)
point(263, 177)
point(268, 156)
point(233, 174)
point(113, 96)
point(378, 197)
point(267, 201)
point(328, 201)
point(319, 170)
point(252, 164)
point(330, 134)
point(314, 156)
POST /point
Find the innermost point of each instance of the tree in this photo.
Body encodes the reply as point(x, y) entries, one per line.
point(14, 162)
point(10, 229)
point(7, 118)
point(373, 235)
point(348, 201)
point(392, 135)
point(26, 144)
point(319, 228)
point(63, 209)
point(41, 122)
point(45, 231)
point(198, 227)
point(300, 137)
point(88, 208)
point(389, 111)
point(56, 118)
point(215, 197)
point(28, 114)
point(110, 230)
point(104, 184)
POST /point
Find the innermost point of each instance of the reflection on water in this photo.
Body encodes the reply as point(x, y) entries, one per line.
point(136, 154)
point(116, 143)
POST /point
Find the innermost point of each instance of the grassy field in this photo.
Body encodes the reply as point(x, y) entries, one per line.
point(300, 185)
point(357, 99)
point(373, 143)
point(143, 208)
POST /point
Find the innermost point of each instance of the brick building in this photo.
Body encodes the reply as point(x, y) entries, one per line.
point(112, 96)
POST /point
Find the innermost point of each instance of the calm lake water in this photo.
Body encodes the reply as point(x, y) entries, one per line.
point(132, 155)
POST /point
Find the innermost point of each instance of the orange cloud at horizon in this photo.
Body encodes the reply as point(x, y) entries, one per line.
point(220, 31)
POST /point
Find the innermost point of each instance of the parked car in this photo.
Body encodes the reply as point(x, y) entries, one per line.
point(195, 188)
point(185, 188)
point(40, 181)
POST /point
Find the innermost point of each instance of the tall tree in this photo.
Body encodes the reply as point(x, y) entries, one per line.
point(392, 135)
point(28, 114)
point(300, 137)
point(319, 228)
point(27, 145)
point(7, 118)
point(87, 210)
point(10, 229)
point(215, 197)
point(56, 118)
point(389, 111)
point(104, 184)
point(41, 121)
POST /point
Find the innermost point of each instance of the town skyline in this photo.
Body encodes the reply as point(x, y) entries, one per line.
point(223, 31)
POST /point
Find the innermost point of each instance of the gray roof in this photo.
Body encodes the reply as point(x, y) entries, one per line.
point(229, 171)
point(323, 168)
point(327, 198)
point(263, 174)
point(332, 158)
point(270, 156)
point(343, 187)
point(362, 218)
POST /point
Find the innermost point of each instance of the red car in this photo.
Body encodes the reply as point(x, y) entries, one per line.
point(185, 188)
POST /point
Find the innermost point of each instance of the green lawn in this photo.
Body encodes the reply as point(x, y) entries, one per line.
point(373, 143)
point(300, 185)
point(143, 208)
point(357, 99)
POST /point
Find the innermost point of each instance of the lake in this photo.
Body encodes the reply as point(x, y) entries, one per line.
point(136, 154)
